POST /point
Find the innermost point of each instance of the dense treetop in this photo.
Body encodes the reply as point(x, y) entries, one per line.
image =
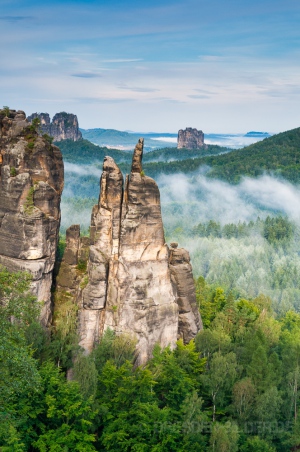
point(234, 388)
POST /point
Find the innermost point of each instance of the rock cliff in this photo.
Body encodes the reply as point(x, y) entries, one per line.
point(31, 183)
point(190, 139)
point(133, 283)
point(64, 126)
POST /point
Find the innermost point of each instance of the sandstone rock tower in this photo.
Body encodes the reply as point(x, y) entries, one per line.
point(134, 283)
point(31, 183)
point(64, 126)
point(190, 139)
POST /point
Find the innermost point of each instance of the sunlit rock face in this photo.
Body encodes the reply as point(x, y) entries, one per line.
point(190, 139)
point(31, 183)
point(64, 126)
point(136, 285)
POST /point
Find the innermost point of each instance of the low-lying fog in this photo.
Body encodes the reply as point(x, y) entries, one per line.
point(249, 265)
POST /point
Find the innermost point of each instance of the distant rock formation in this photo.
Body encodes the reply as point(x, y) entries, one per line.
point(31, 183)
point(64, 126)
point(190, 139)
point(133, 283)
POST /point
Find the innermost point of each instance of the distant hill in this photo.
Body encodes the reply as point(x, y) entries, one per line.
point(85, 152)
point(279, 155)
point(257, 134)
point(125, 140)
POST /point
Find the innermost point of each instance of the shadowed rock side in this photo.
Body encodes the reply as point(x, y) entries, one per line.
point(105, 232)
point(31, 183)
point(130, 288)
point(182, 278)
point(72, 276)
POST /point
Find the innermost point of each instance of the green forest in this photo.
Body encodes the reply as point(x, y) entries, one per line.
point(234, 388)
point(261, 256)
point(85, 152)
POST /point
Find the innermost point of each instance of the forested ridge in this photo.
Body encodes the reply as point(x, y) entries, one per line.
point(277, 155)
point(234, 388)
point(85, 152)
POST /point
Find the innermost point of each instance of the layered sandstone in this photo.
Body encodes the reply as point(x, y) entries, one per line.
point(189, 319)
point(190, 139)
point(64, 126)
point(31, 183)
point(134, 283)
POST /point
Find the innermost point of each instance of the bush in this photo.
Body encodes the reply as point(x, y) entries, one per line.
point(13, 171)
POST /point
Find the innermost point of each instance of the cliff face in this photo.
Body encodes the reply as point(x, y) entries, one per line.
point(190, 139)
point(64, 126)
point(134, 283)
point(31, 183)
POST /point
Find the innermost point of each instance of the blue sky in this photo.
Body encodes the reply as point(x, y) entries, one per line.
point(220, 66)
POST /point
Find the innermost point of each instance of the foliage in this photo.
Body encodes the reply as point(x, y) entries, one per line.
point(82, 265)
point(236, 387)
point(30, 145)
point(29, 202)
point(6, 110)
point(48, 138)
point(64, 341)
point(13, 171)
point(35, 124)
point(65, 416)
point(61, 246)
point(19, 377)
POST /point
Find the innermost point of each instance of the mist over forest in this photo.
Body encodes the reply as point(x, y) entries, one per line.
point(197, 207)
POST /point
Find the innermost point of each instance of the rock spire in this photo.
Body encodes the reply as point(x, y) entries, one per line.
point(134, 283)
point(190, 139)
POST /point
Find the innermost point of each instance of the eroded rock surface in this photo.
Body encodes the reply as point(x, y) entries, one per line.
point(189, 321)
point(190, 139)
point(31, 183)
point(64, 126)
point(135, 284)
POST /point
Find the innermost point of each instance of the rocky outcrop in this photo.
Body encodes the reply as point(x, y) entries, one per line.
point(31, 183)
point(64, 126)
point(182, 278)
point(190, 139)
point(134, 283)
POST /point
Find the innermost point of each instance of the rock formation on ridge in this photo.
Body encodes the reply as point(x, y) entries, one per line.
point(31, 183)
point(134, 284)
point(190, 139)
point(64, 126)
